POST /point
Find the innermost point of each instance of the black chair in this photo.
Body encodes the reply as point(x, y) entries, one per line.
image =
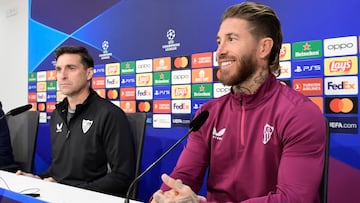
point(324, 182)
point(23, 134)
point(137, 122)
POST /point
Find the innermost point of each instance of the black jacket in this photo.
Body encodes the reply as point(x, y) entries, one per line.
point(97, 135)
point(6, 156)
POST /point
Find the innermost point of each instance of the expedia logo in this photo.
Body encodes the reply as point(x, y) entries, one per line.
point(341, 105)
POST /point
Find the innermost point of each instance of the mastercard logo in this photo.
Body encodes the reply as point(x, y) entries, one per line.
point(41, 107)
point(181, 62)
point(144, 106)
point(342, 105)
point(112, 94)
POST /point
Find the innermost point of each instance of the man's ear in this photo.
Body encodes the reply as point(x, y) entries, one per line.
point(265, 46)
point(90, 73)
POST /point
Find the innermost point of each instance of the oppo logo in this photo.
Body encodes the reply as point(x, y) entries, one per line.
point(340, 46)
point(222, 89)
point(181, 77)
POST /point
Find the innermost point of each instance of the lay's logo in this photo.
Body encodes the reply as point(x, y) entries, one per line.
point(341, 66)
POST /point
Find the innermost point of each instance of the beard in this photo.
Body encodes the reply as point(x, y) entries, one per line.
point(244, 70)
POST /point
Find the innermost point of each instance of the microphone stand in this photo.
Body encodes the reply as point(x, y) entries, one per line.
point(154, 163)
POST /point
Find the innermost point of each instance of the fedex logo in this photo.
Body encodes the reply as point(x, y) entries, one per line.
point(181, 106)
point(341, 85)
point(144, 93)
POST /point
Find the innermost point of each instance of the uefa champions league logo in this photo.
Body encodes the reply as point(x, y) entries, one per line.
point(171, 46)
point(105, 46)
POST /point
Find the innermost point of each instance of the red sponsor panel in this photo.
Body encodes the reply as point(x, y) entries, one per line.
point(32, 97)
point(50, 106)
point(98, 83)
point(201, 60)
point(162, 106)
point(309, 86)
point(128, 93)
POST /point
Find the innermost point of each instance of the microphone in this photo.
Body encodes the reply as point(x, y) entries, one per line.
point(193, 126)
point(17, 111)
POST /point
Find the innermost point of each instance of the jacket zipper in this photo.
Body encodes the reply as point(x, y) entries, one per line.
point(242, 122)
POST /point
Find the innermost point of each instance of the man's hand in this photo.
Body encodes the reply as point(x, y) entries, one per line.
point(50, 179)
point(19, 172)
point(179, 192)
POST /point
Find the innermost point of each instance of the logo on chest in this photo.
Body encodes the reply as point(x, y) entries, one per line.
point(86, 125)
point(217, 135)
point(268, 131)
point(59, 127)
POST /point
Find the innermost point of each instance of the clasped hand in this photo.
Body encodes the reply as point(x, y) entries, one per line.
point(49, 179)
point(179, 192)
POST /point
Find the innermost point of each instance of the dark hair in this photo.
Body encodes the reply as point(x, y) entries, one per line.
point(263, 22)
point(86, 58)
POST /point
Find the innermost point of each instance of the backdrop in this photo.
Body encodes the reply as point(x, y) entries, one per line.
point(157, 56)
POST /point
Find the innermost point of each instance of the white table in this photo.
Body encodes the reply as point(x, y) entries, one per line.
point(54, 192)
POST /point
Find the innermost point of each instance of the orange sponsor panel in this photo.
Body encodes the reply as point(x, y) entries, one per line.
point(162, 64)
point(319, 101)
point(128, 106)
point(201, 60)
point(309, 86)
point(203, 75)
point(51, 75)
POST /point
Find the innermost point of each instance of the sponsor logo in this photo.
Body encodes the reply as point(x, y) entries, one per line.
point(144, 93)
point(41, 107)
point(32, 97)
point(162, 92)
point(201, 60)
point(41, 86)
point(171, 44)
point(112, 94)
point(308, 86)
point(217, 135)
point(144, 79)
point(346, 85)
point(341, 105)
point(144, 66)
point(346, 125)
point(59, 127)
point(50, 106)
point(180, 62)
point(161, 120)
point(341, 66)
point(181, 77)
point(128, 106)
point(340, 46)
point(59, 96)
point(162, 64)
point(51, 86)
point(181, 106)
point(202, 91)
point(162, 106)
point(162, 78)
point(308, 49)
point(180, 120)
point(127, 93)
point(41, 97)
point(180, 91)
point(128, 80)
point(32, 77)
point(285, 69)
point(285, 52)
point(112, 69)
point(216, 74)
point(32, 86)
point(143, 106)
point(51, 96)
point(105, 54)
point(197, 103)
point(307, 68)
point(202, 75)
point(41, 76)
point(127, 67)
point(112, 81)
point(99, 70)
point(51, 75)
point(98, 82)
point(220, 90)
